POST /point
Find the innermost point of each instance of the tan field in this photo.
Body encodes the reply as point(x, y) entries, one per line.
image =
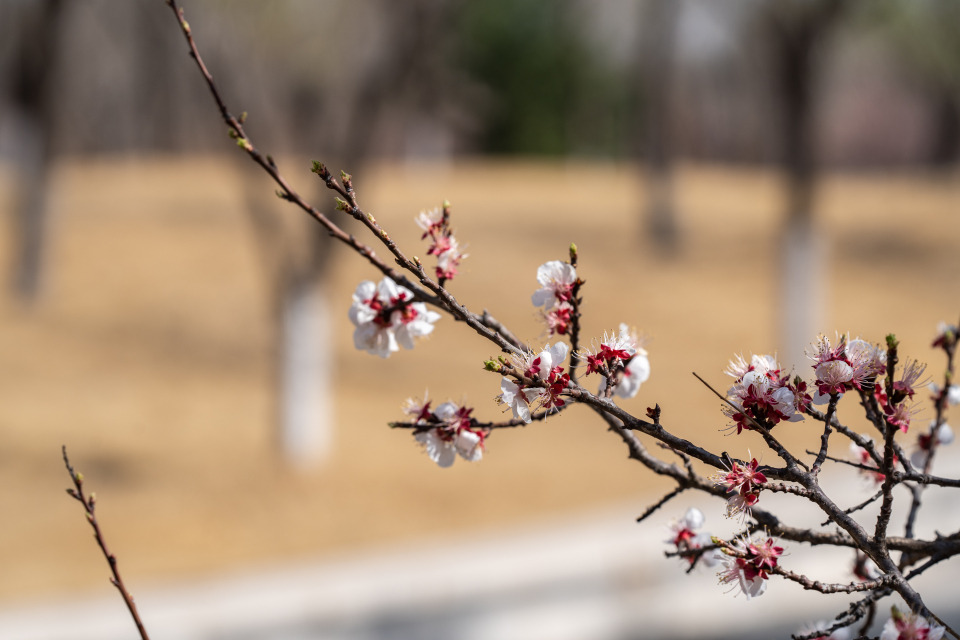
point(149, 354)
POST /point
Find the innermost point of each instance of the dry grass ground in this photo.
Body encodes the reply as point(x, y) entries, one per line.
point(149, 354)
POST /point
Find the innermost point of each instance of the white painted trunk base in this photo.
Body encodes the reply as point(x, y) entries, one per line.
point(306, 403)
point(803, 291)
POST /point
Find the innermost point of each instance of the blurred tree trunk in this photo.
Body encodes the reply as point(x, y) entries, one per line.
point(797, 29)
point(296, 256)
point(658, 42)
point(946, 146)
point(28, 124)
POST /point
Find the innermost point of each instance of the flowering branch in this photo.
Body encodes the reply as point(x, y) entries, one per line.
point(89, 506)
point(536, 384)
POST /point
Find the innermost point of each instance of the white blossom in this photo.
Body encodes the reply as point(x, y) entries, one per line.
point(429, 219)
point(843, 633)
point(556, 281)
point(910, 626)
point(516, 398)
point(469, 445)
point(386, 318)
point(441, 450)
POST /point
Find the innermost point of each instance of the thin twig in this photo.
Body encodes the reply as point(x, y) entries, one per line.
point(439, 297)
point(862, 505)
point(89, 506)
point(827, 587)
point(825, 438)
point(664, 500)
point(886, 507)
point(575, 302)
point(864, 443)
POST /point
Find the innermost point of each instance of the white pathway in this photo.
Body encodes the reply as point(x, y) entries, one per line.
point(596, 577)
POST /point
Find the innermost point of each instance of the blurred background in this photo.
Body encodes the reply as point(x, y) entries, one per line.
point(739, 175)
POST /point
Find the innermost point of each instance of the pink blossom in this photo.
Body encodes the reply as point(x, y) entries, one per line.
point(749, 565)
point(745, 483)
point(909, 378)
point(900, 415)
point(765, 554)
point(839, 369)
point(436, 224)
point(449, 259)
point(558, 319)
point(910, 626)
point(833, 376)
point(739, 574)
point(873, 356)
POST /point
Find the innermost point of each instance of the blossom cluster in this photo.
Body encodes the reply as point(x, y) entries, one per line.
point(844, 367)
point(446, 431)
point(744, 483)
point(435, 224)
point(760, 392)
point(557, 282)
point(621, 358)
point(747, 564)
point(546, 368)
point(385, 314)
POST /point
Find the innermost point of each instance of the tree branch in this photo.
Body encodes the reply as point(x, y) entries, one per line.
point(89, 506)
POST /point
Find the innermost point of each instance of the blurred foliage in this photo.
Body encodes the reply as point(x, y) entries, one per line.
point(927, 33)
point(550, 93)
